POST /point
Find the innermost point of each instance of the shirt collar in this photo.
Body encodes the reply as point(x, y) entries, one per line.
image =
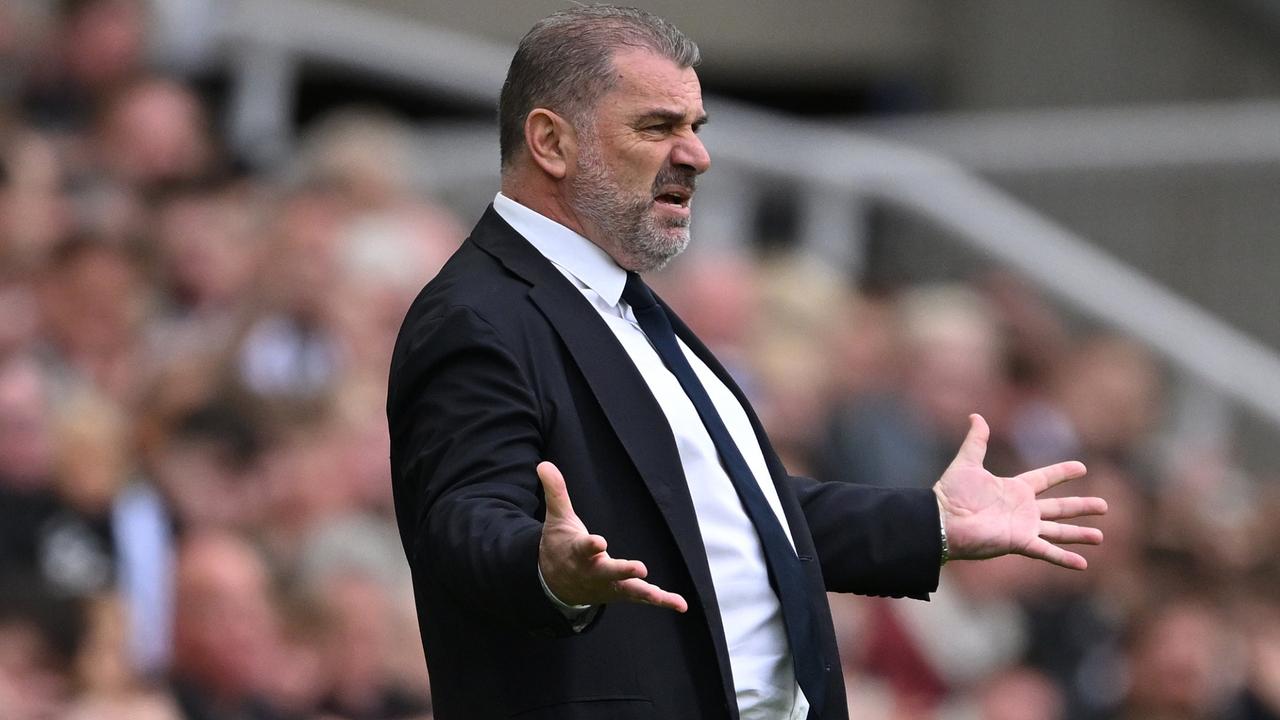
point(573, 253)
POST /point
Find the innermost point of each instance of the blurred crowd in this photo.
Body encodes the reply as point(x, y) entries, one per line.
point(195, 516)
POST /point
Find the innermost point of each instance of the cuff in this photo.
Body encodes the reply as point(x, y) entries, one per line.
point(942, 524)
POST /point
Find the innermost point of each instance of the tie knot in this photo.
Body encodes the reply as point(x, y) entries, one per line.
point(637, 294)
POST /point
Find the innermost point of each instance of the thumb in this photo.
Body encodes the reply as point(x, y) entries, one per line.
point(974, 447)
point(554, 489)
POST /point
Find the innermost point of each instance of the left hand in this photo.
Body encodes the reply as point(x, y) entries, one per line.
point(988, 516)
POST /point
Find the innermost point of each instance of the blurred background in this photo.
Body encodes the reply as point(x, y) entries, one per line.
point(214, 213)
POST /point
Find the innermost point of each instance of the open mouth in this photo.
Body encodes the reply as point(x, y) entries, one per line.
point(674, 196)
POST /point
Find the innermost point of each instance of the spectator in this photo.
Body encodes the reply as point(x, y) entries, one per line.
point(27, 459)
point(152, 132)
point(207, 466)
point(93, 303)
point(225, 631)
point(1183, 663)
point(949, 368)
point(96, 46)
point(40, 634)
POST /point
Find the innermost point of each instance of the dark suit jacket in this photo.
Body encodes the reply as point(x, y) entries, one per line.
point(501, 363)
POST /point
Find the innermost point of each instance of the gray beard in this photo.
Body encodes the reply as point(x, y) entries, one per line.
point(627, 221)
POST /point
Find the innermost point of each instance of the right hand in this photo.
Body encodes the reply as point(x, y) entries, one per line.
point(575, 565)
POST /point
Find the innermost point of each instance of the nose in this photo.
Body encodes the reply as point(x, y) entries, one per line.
point(690, 153)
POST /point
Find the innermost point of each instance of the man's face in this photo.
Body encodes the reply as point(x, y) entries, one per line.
point(638, 156)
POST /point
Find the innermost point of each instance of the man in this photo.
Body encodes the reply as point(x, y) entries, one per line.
point(550, 418)
point(225, 630)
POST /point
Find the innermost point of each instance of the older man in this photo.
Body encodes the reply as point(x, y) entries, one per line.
point(537, 367)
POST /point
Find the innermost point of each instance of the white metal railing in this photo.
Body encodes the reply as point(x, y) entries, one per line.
point(1167, 136)
point(829, 162)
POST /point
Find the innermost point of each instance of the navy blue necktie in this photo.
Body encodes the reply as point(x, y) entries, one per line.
point(785, 572)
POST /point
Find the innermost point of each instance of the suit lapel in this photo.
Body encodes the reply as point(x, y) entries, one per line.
point(632, 411)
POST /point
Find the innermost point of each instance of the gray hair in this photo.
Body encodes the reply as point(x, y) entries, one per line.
point(565, 63)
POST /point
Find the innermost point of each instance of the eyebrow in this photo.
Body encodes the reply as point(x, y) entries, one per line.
point(672, 116)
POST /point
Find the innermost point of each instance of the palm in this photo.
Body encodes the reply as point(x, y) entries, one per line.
point(575, 565)
point(987, 516)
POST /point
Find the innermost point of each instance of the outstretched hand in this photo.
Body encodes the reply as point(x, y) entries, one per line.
point(987, 516)
point(575, 565)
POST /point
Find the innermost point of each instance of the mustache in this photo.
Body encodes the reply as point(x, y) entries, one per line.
point(683, 177)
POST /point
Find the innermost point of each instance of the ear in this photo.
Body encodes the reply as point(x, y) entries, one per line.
point(551, 141)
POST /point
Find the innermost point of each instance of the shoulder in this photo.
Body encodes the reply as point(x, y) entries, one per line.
point(471, 282)
point(476, 301)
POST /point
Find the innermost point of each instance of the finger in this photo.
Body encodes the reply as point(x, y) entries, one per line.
point(553, 488)
point(641, 591)
point(1070, 507)
point(1042, 549)
point(585, 546)
point(1071, 534)
point(974, 447)
point(1042, 479)
point(610, 569)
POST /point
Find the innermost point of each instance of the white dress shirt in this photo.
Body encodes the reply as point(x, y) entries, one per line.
point(759, 655)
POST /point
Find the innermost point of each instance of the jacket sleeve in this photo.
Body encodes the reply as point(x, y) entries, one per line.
point(873, 541)
point(466, 438)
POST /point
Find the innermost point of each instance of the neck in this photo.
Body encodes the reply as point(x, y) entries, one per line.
point(549, 200)
point(552, 205)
